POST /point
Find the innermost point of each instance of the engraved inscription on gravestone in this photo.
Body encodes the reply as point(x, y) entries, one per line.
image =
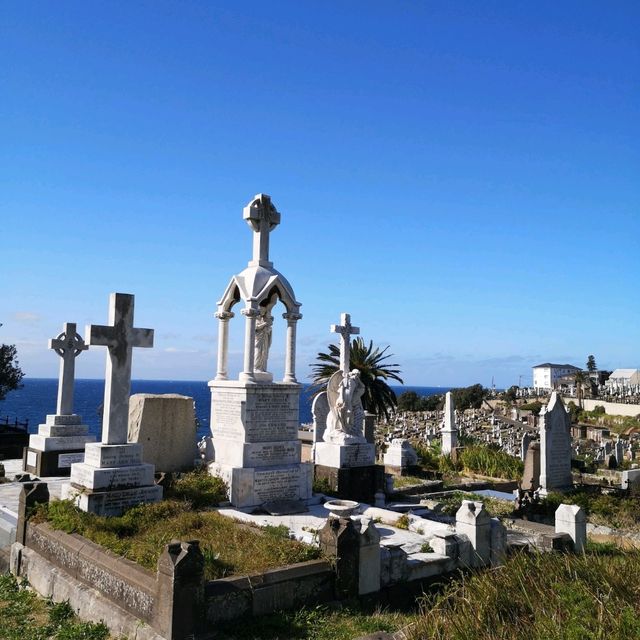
point(276, 484)
point(67, 459)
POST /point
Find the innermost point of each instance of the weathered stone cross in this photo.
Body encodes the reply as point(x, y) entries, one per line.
point(68, 345)
point(262, 217)
point(346, 330)
point(120, 337)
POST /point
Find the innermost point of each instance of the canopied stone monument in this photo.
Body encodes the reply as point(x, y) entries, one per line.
point(555, 446)
point(254, 420)
point(113, 477)
point(449, 429)
point(60, 441)
point(343, 456)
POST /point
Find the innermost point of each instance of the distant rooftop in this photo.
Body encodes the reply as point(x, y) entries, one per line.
point(557, 366)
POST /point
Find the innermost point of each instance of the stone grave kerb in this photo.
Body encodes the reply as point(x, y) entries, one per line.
point(68, 345)
point(119, 337)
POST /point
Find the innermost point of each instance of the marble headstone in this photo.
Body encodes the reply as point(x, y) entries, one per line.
point(555, 446)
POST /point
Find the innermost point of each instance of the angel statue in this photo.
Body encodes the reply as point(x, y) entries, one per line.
point(346, 415)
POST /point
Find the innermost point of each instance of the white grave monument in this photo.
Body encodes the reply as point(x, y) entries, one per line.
point(449, 429)
point(400, 454)
point(60, 441)
point(113, 477)
point(254, 420)
point(555, 446)
point(344, 443)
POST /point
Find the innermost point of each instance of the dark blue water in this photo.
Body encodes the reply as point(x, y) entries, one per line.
point(38, 396)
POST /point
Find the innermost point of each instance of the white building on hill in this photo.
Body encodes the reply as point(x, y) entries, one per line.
point(546, 376)
point(623, 379)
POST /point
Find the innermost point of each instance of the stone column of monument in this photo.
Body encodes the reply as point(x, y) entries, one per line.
point(254, 419)
point(113, 477)
point(555, 446)
point(60, 441)
point(342, 456)
point(449, 430)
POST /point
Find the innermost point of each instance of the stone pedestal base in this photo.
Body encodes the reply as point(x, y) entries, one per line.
point(253, 486)
point(59, 443)
point(254, 430)
point(46, 464)
point(329, 454)
point(112, 479)
point(353, 483)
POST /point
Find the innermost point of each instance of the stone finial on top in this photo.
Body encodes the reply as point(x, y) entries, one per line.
point(262, 216)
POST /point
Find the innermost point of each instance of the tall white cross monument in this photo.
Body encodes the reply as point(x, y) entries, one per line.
point(113, 477)
point(119, 336)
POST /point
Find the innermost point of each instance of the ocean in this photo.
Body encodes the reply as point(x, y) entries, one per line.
point(37, 398)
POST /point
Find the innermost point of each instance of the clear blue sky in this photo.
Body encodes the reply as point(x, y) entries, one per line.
point(462, 177)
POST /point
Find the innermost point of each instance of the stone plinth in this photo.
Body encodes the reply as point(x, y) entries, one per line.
point(329, 454)
point(59, 443)
point(353, 483)
point(400, 454)
point(112, 479)
point(254, 429)
point(166, 426)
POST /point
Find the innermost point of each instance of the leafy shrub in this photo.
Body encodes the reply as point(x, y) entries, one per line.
point(402, 522)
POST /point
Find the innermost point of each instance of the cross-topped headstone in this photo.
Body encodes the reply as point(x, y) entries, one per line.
point(68, 345)
point(262, 217)
point(119, 337)
point(346, 330)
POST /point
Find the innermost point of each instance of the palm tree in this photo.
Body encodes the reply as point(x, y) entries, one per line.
point(379, 398)
point(581, 379)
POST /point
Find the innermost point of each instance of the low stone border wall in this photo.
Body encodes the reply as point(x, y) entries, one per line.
point(311, 582)
point(129, 585)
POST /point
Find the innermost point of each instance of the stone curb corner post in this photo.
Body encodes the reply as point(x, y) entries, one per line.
point(179, 604)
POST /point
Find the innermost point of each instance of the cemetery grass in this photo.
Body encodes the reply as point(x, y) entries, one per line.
point(229, 547)
point(617, 512)
point(341, 622)
point(542, 596)
point(25, 616)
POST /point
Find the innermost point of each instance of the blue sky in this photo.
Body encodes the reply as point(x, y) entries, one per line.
point(462, 177)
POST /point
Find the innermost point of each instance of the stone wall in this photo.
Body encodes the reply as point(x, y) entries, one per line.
point(305, 583)
point(98, 583)
point(611, 408)
point(124, 582)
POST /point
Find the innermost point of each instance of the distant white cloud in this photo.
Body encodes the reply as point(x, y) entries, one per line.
point(26, 316)
point(176, 350)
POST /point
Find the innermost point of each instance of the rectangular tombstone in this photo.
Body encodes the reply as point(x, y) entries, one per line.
point(329, 454)
point(166, 426)
point(555, 446)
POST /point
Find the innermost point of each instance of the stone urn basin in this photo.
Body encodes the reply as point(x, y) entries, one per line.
point(341, 508)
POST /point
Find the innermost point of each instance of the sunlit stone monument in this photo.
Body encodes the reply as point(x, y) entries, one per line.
point(60, 441)
point(342, 455)
point(555, 446)
point(113, 476)
point(449, 429)
point(254, 419)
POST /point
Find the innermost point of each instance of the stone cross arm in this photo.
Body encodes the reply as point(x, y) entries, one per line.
point(346, 330)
